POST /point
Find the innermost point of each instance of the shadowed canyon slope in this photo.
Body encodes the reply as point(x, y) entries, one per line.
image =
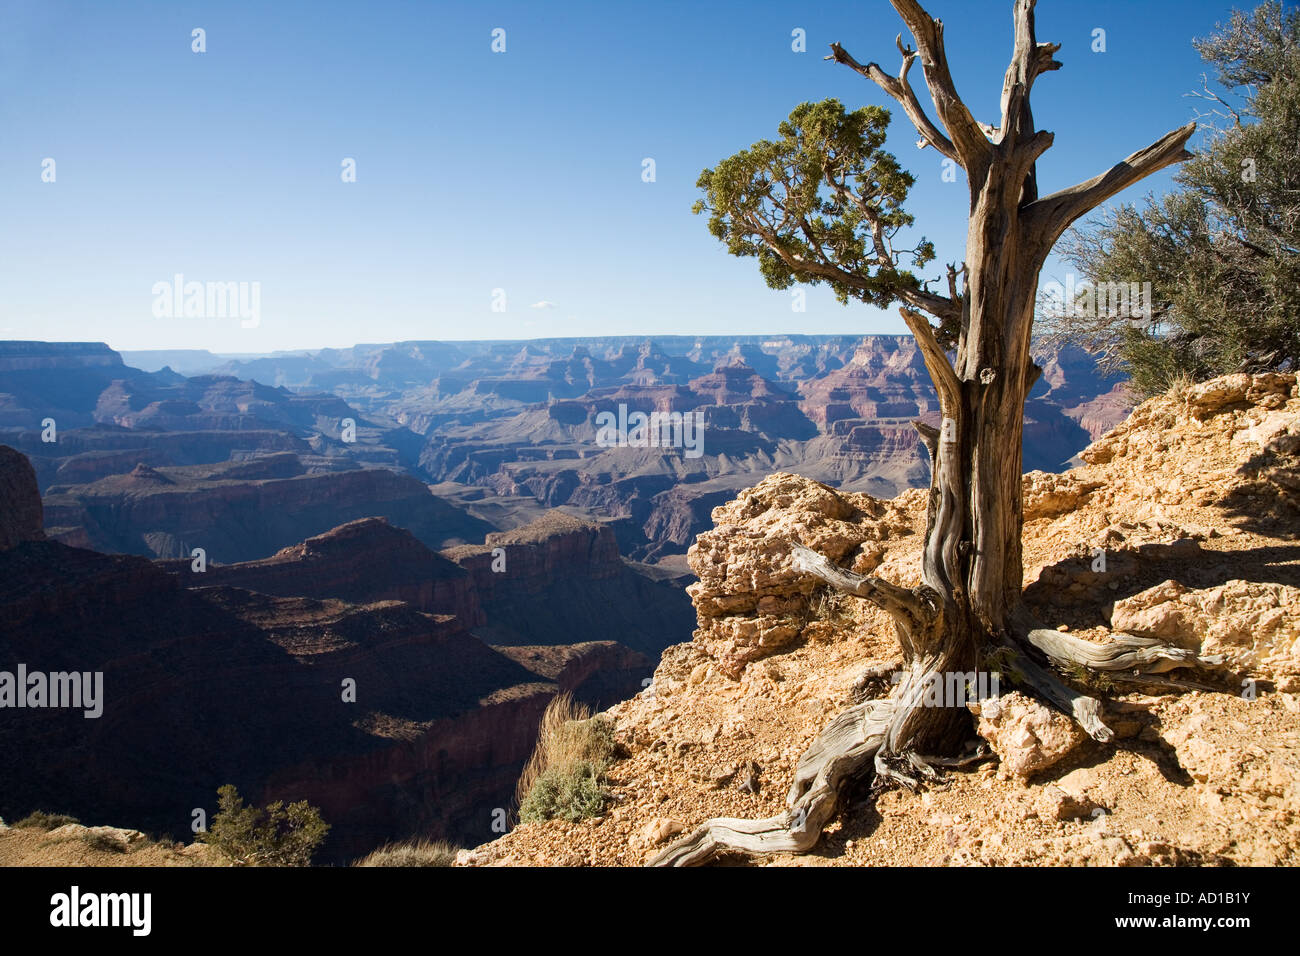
point(244, 510)
point(237, 674)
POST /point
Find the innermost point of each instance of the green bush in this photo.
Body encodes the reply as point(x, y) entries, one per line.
point(570, 792)
point(1221, 253)
point(565, 776)
point(272, 836)
point(40, 820)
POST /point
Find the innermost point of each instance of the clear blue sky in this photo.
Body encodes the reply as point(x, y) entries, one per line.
point(478, 170)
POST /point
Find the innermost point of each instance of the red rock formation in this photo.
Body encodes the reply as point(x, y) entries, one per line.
point(879, 382)
point(166, 512)
point(362, 561)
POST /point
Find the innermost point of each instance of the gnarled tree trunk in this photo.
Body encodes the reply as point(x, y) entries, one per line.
point(969, 598)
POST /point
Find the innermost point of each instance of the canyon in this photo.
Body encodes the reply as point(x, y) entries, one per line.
point(436, 523)
point(520, 419)
point(238, 673)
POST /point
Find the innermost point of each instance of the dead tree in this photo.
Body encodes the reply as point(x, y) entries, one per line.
point(823, 204)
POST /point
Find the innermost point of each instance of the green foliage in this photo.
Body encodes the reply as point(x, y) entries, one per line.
point(1002, 660)
point(40, 820)
point(1222, 252)
point(1090, 680)
point(830, 606)
point(569, 792)
point(272, 836)
point(822, 203)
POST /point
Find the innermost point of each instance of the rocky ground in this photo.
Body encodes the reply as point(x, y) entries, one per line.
point(1180, 524)
point(75, 845)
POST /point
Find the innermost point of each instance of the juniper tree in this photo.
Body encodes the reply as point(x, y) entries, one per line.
point(824, 203)
point(1221, 252)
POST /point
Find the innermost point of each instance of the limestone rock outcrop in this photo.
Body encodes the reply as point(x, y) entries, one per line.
point(749, 601)
point(1026, 735)
point(1254, 625)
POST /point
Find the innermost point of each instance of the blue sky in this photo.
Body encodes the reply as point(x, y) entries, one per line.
point(477, 170)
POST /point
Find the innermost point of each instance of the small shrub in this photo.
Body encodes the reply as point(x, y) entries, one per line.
point(40, 820)
point(104, 842)
point(1095, 681)
point(413, 853)
point(831, 607)
point(571, 793)
point(272, 836)
point(564, 778)
point(1180, 383)
point(1003, 661)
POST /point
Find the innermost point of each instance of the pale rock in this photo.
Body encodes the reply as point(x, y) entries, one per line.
point(126, 837)
point(1254, 625)
point(69, 831)
point(1026, 735)
point(750, 602)
point(1047, 495)
point(659, 830)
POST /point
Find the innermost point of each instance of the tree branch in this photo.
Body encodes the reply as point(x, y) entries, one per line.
point(930, 438)
point(1052, 215)
point(941, 307)
point(941, 371)
point(1029, 60)
point(900, 602)
point(901, 90)
point(1124, 652)
point(973, 150)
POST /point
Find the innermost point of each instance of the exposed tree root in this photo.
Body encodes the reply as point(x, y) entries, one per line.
point(873, 737)
point(1123, 652)
point(981, 752)
point(1154, 681)
point(845, 750)
point(1084, 709)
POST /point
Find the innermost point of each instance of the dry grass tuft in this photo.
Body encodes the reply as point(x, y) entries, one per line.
point(412, 853)
point(40, 820)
